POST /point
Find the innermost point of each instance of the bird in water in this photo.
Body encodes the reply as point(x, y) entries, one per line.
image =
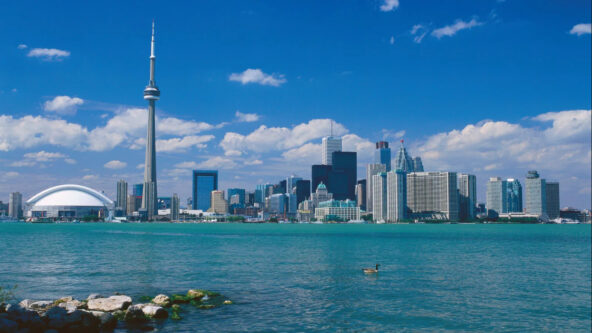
point(371, 270)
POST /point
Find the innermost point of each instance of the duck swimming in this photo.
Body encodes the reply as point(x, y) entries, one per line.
point(371, 270)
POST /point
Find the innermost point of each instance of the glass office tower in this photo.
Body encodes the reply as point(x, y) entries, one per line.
point(204, 182)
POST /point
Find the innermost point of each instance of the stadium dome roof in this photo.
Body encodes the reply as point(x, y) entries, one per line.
point(70, 195)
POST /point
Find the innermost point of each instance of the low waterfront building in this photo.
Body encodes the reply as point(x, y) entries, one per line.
point(337, 210)
point(69, 202)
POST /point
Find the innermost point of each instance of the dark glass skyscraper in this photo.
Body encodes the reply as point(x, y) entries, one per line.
point(302, 190)
point(382, 154)
point(343, 176)
point(204, 182)
point(320, 174)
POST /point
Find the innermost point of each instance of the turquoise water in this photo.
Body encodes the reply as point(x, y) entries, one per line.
point(308, 277)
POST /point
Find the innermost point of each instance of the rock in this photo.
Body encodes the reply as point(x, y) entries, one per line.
point(82, 321)
point(155, 311)
point(93, 296)
point(135, 314)
point(40, 305)
point(195, 294)
point(56, 317)
point(26, 303)
point(109, 304)
point(72, 305)
point(108, 321)
point(63, 299)
point(162, 300)
point(7, 325)
point(2, 307)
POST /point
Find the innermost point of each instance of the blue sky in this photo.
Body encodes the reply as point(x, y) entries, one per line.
point(492, 88)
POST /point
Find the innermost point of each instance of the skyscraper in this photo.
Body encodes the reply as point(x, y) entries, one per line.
point(396, 196)
point(382, 154)
point(241, 196)
point(514, 196)
point(175, 207)
point(467, 190)
point(361, 194)
point(302, 190)
point(320, 174)
point(497, 196)
point(15, 205)
point(403, 161)
point(552, 195)
point(151, 94)
point(218, 204)
point(536, 194)
point(291, 183)
point(371, 170)
point(343, 175)
point(330, 144)
point(433, 195)
point(121, 196)
point(204, 182)
point(379, 196)
point(417, 164)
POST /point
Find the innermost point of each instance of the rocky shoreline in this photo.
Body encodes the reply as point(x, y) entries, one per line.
point(101, 314)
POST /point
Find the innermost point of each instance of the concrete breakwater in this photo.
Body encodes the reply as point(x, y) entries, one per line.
point(97, 313)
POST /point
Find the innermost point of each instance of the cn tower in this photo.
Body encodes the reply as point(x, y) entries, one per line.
point(151, 93)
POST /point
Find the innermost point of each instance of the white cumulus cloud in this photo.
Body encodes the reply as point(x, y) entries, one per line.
point(259, 77)
point(115, 164)
point(246, 117)
point(48, 54)
point(63, 104)
point(389, 5)
point(451, 30)
point(184, 143)
point(581, 29)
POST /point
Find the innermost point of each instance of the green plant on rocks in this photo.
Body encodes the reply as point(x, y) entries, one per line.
point(7, 294)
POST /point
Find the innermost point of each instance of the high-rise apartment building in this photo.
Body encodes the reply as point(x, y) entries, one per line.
point(15, 205)
point(382, 154)
point(467, 190)
point(204, 182)
point(133, 203)
point(432, 195)
point(536, 194)
point(121, 196)
point(497, 196)
point(175, 207)
point(396, 196)
point(371, 170)
point(330, 144)
point(379, 196)
point(218, 204)
point(552, 195)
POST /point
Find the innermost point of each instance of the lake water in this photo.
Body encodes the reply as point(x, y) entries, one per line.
point(308, 277)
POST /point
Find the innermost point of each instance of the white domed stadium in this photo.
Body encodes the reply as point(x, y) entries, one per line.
point(69, 201)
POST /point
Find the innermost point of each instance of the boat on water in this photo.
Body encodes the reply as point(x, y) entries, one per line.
point(356, 222)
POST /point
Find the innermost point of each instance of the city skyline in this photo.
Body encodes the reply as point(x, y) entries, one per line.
point(95, 138)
